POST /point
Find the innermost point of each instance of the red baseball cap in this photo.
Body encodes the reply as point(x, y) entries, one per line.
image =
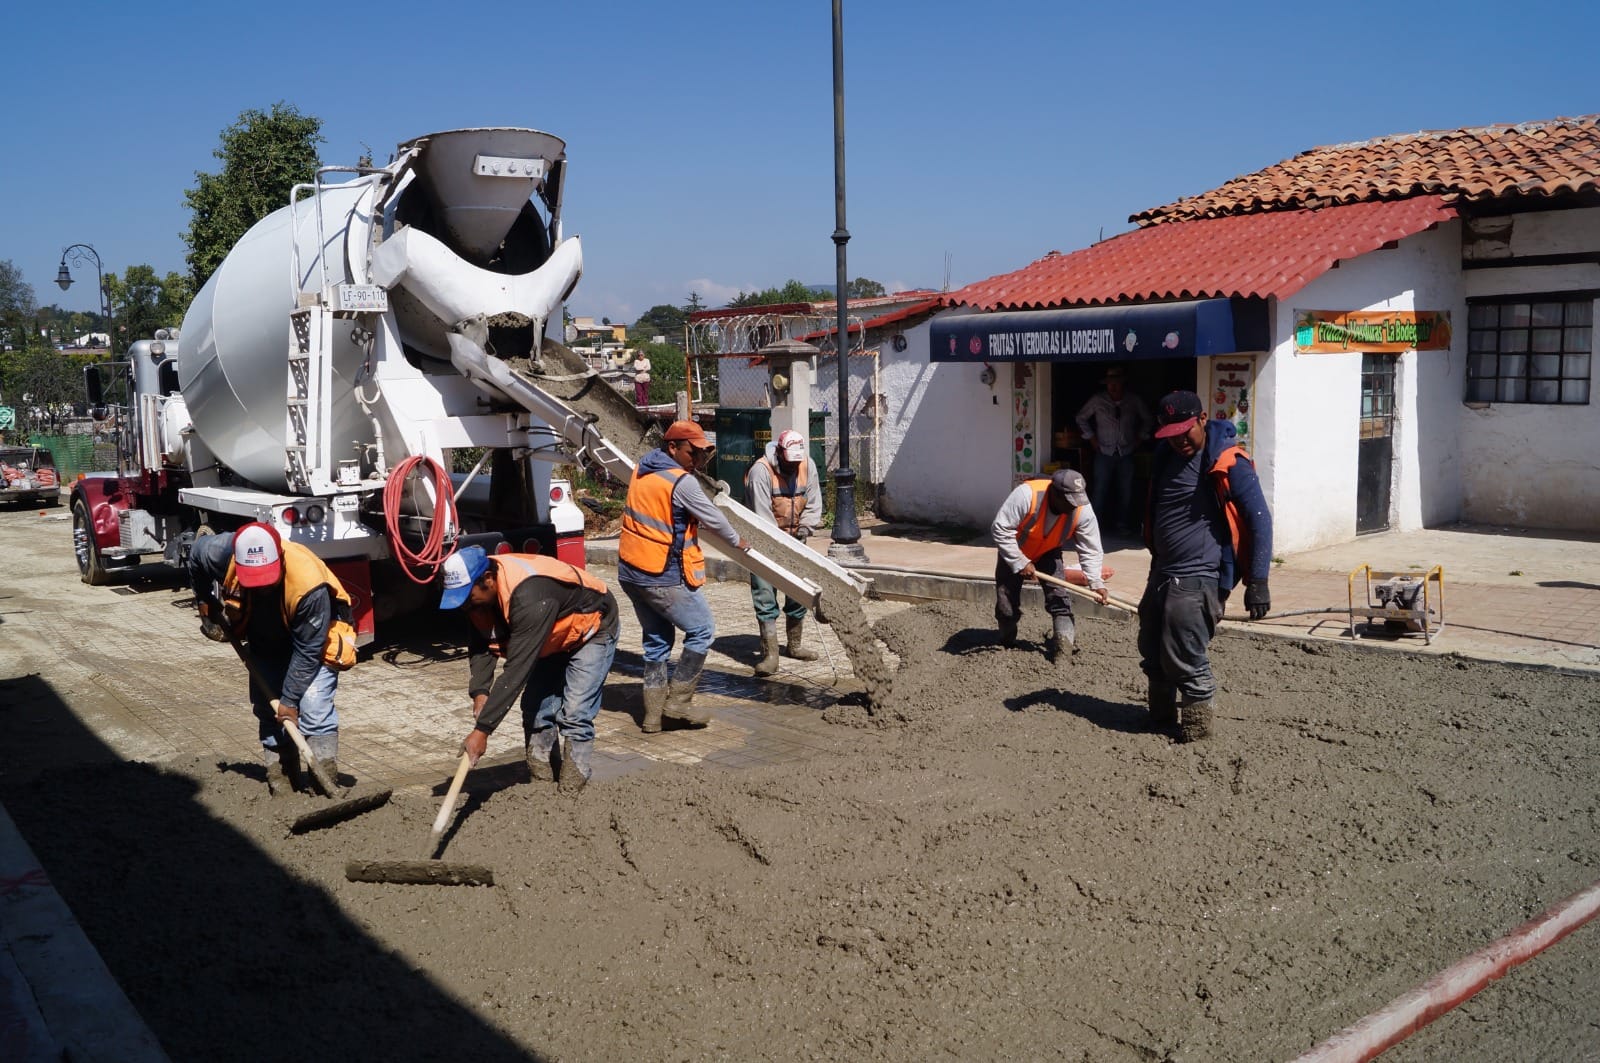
point(257, 555)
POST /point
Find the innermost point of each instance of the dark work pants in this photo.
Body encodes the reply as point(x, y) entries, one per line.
point(1008, 588)
point(1177, 618)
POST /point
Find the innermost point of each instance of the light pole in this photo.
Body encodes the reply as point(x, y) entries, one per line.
point(845, 546)
point(79, 252)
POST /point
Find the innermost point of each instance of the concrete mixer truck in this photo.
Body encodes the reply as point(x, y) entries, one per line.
point(346, 347)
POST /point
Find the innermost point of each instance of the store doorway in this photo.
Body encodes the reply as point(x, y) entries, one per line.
point(1375, 455)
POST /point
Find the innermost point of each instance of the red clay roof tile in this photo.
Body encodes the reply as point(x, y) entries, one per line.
point(1275, 253)
point(1551, 158)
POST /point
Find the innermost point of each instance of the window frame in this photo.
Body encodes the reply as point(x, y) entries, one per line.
point(1521, 373)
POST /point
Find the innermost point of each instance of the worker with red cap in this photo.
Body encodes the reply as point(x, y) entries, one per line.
point(661, 569)
point(293, 615)
point(1208, 529)
point(782, 487)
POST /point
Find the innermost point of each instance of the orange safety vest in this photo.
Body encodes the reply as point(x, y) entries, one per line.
point(303, 572)
point(788, 506)
point(648, 539)
point(1238, 530)
point(569, 631)
point(1036, 534)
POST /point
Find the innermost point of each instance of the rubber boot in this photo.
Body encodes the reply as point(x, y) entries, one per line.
point(768, 665)
point(655, 696)
point(541, 746)
point(289, 760)
point(680, 692)
point(326, 749)
point(576, 758)
point(795, 628)
point(1008, 632)
point(277, 779)
point(1195, 720)
point(1063, 640)
point(1163, 701)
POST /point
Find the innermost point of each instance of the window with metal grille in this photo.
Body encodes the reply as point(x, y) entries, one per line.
point(1531, 349)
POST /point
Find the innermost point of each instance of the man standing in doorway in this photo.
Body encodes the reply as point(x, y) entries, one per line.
point(782, 488)
point(1035, 523)
point(1115, 422)
point(661, 569)
point(1208, 528)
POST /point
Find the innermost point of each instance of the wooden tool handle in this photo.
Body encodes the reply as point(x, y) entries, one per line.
point(328, 787)
point(450, 797)
point(1121, 603)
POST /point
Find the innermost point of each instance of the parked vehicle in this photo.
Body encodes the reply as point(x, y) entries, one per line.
point(28, 475)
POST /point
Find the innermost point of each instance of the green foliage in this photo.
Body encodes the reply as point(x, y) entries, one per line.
point(694, 305)
point(792, 292)
point(862, 288)
point(264, 155)
point(661, 320)
point(16, 306)
point(143, 302)
point(42, 385)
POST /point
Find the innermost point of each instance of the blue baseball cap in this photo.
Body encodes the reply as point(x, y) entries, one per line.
point(461, 571)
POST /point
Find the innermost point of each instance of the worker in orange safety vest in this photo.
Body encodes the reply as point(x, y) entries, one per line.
point(1037, 521)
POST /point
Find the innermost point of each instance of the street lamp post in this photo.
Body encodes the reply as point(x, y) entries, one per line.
point(846, 543)
point(78, 253)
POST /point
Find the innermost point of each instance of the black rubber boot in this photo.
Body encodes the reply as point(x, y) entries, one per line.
point(655, 696)
point(680, 692)
point(1195, 717)
point(1008, 632)
point(1163, 701)
point(795, 628)
point(768, 665)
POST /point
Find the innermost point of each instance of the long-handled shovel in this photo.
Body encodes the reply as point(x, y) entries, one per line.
point(340, 810)
point(428, 871)
point(1112, 600)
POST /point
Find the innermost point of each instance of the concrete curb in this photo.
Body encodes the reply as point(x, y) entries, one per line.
point(57, 998)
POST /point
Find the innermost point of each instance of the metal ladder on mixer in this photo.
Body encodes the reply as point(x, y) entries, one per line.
point(309, 417)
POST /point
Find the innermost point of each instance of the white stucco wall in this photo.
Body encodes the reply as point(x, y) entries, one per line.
point(1309, 435)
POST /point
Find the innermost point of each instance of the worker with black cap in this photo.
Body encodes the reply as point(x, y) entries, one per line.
point(661, 569)
point(1208, 529)
point(1036, 522)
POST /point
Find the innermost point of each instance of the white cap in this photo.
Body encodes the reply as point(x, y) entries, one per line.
point(257, 556)
point(791, 446)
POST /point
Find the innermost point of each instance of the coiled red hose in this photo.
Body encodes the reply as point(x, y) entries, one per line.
point(433, 552)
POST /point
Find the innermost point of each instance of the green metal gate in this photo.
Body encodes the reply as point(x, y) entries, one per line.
point(742, 437)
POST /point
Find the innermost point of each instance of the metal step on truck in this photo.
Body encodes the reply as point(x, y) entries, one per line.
point(347, 349)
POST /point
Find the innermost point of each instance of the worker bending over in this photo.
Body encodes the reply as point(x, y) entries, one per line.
point(661, 569)
point(555, 626)
point(294, 616)
point(783, 489)
point(1034, 525)
point(1208, 528)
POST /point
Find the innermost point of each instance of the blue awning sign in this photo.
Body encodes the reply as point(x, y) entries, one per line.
point(1087, 334)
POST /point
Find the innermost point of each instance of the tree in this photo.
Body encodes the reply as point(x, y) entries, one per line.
point(143, 302)
point(661, 320)
point(792, 292)
point(694, 305)
point(16, 306)
point(862, 288)
point(264, 155)
point(41, 385)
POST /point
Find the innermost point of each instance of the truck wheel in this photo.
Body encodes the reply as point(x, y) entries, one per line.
point(91, 568)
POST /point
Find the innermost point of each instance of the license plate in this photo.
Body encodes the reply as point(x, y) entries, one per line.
point(362, 297)
point(343, 503)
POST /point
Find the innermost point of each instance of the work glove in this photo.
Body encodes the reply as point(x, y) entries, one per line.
point(1257, 599)
point(286, 714)
point(213, 630)
point(475, 745)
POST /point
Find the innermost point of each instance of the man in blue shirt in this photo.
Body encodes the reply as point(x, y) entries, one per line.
point(1208, 529)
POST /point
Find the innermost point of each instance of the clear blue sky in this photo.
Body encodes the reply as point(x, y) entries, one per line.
point(700, 135)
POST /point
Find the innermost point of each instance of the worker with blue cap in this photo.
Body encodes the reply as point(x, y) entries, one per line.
point(555, 626)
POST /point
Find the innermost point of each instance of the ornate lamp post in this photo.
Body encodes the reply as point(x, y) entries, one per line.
point(78, 253)
point(846, 544)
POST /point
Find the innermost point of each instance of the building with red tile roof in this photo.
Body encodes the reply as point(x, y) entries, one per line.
point(1400, 329)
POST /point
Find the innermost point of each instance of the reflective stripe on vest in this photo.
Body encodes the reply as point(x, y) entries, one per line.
point(1041, 531)
point(788, 506)
point(648, 539)
point(569, 631)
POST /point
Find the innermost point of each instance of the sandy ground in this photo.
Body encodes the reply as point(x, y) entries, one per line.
point(1001, 862)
